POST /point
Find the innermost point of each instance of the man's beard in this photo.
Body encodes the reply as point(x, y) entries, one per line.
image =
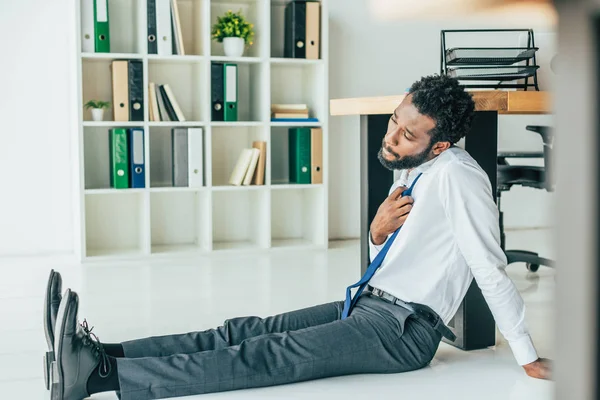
point(406, 162)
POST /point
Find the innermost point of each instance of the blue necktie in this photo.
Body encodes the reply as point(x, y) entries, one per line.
point(350, 302)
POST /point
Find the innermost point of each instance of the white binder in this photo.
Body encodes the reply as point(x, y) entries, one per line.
point(87, 26)
point(164, 36)
point(195, 157)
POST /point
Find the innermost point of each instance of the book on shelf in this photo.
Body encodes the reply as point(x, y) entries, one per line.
point(163, 104)
point(250, 166)
point(291, 113)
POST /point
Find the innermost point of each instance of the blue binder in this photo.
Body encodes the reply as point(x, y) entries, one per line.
point(136, 158)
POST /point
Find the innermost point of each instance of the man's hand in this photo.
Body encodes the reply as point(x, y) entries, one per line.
point(391, 215)
point(540, 368)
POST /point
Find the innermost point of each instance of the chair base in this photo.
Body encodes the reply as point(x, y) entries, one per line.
point(532, 260)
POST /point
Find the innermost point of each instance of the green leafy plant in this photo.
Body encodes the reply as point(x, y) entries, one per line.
point(233, 25)
point(96, 104)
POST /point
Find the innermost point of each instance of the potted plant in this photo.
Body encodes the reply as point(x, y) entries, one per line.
point(97, 107)
point(234, 32)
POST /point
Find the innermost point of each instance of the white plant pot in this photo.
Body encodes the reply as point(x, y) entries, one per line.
point(97, 114)
point(233, 46)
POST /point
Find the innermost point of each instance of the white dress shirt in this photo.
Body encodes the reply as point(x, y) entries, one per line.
point(451, 235)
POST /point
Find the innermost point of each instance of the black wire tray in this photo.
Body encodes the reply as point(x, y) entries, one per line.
point(488, 55)
point(493, 73)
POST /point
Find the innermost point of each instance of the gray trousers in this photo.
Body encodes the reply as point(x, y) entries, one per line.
point(250, 352)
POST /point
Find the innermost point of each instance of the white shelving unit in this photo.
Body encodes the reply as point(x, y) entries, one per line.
point(160, 220)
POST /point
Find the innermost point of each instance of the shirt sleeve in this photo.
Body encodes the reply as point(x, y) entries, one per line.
point(468, 201)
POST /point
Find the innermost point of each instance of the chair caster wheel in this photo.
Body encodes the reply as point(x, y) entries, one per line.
point(532, 267)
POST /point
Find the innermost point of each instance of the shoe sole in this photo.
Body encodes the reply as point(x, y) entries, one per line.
point(57, 388)
point(49, 356)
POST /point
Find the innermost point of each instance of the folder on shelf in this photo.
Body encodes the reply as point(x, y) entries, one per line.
point(316, 155)
point(295, 30)
point(120, 90)
point(173, 102)
point(154, 111)
point(216, 89)
point(101, 27)
point(118, 158)
point(195, 157)
point(251, 166)
point(177, 35)
point(299, 155)
point(151, 13)
point(164, 115)
point(136, 90)
point(88, 38)
point(241, 167)
point(179, 143)
point(164, 28)
point(136, 158)
point(259, 174)
point(313, 29)
point(231, 92)
point(168, 106)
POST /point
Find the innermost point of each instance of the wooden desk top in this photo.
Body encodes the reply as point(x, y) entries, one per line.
point(503, 101)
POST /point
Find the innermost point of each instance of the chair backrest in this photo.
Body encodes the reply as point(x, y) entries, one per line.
point(548, 140)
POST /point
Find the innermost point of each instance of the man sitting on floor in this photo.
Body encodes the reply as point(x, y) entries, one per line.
point(443, 203)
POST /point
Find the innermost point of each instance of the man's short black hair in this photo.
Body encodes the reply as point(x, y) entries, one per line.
point(447, 103)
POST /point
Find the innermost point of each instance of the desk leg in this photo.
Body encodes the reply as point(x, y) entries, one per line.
point(473, 323)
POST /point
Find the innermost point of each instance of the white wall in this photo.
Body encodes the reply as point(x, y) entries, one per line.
point(372, 58)
point(367, 58)
point(35, 154)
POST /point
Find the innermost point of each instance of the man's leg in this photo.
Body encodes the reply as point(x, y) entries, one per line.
point(232, 332)
point(378, 337)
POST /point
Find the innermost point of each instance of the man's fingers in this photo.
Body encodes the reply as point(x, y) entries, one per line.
point(397, 193)
point(404, 210)
point(402, 201)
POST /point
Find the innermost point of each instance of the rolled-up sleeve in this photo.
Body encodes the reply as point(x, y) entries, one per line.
point(466, 194)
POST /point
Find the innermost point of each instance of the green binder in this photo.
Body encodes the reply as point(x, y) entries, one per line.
point(101, 27)
point(299, 155)
point(230, 78)
point(119, 158)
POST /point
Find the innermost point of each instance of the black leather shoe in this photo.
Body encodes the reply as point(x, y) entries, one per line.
point(51, 304)
point(78, 353)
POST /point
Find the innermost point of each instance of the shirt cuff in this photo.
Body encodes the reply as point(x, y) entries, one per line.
point(374, 249)
point(523, 350)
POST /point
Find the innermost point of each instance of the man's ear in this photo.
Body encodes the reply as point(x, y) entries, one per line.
point(440, 147)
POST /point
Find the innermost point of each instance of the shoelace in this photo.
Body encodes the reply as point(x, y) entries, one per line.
point(90, 339)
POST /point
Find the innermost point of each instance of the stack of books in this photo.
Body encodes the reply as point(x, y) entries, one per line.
point(163, 105)
point(250, 166)
point(291, 113)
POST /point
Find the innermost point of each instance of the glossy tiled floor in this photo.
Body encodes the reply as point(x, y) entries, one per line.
point(129, 300)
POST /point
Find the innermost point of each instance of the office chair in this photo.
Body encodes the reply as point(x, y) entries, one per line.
point(528, 176)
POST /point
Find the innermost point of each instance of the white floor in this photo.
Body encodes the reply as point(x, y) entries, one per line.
point(129, 300)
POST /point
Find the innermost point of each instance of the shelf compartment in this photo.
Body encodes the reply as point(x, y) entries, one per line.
point(493, 74)
point(185, 81)
point(227, 144)
point(293, 83)
point(161, 159)
point(297, 217)
point(251, 97)
point(114, 224)
point(251, 10)
point(240, 219)
point(178, 221)
point(489, 55)
point(96, 158)
point(126, 27)
point(191, 18)
point(279, 161)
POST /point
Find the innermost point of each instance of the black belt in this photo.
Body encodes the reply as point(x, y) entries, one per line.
point(421, 310)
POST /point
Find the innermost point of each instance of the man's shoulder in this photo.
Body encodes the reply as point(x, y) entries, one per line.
point(457, 160)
